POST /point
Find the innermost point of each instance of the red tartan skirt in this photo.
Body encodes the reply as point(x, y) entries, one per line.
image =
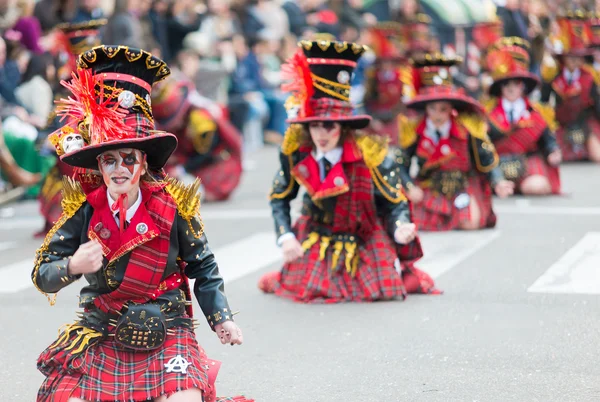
point(311, 279)
point(104, 372)
point(571, 153)
point(537, 165)
point(220, 178)
point(436, 213)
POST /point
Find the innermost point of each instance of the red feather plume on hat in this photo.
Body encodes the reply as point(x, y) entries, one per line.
point(299, 81)
point(104, 122)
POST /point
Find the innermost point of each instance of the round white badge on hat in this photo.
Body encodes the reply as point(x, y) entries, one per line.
point(126, 99)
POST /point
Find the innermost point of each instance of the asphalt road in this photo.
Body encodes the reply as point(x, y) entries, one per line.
point(518, 320)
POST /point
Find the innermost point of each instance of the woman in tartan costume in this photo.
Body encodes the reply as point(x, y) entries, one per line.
point(136, 240)
point(210, 147)
point(76, 39)
point(355, 240)
point(521, 130)
point(574, 86)
point(456, 160)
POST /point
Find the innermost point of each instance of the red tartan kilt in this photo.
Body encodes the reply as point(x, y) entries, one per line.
point(310, 280)
point(221, 178)
point(537, 165)
point(104, 372)
point(570, 154)
point(436, 213)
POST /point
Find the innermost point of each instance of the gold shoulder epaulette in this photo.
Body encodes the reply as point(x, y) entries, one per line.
point(548, 72)
point(187, 198)
point(292, 139)
point(475, 125)
point(73, 196)
point(489, 104)
point(547, 113)
point(407, 131)
point(373, 148)
point(590, 69)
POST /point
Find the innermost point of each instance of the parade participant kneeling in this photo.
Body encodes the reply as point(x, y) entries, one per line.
point(137, 241)
point(519, 129)
point(456, 159)
point(210, 147)
point(355, 240)
point(574, 89)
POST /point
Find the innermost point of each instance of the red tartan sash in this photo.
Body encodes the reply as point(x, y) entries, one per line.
point(149, 250)
point(524, 136)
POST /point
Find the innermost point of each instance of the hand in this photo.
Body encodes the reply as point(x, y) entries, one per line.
point(415, 194)
point(87, 259)
point(369, 19)
point(229, 332)
point(555, 158)
point(405, 233)
point(504, 188)
point(292, 250)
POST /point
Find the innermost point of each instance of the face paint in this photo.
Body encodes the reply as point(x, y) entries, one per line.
point(122, 169)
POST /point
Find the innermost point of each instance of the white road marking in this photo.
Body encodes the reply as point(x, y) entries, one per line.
point(575, 272)
point(541, 210)
point(236, 259)
point(444, 251)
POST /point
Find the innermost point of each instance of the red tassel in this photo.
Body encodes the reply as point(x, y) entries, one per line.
point(297, 72)
point(120, 205)
point(105, 123)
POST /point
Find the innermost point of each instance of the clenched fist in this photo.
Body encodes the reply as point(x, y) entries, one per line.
point(87, 259)
point(292, 250)
point(229, 332)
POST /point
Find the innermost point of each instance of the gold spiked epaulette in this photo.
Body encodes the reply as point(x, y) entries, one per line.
point(187, 198)
point(489, 104)
point(73, 196)
point(475, 125)
point(595, 74)
point(548, 71)
point(547, 113)
point(373, 149)
point(292, 139)
point(407, 131)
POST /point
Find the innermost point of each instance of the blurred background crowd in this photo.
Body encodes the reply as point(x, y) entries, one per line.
point(232, 50)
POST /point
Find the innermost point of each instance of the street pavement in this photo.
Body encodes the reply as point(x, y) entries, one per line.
point(519, 319)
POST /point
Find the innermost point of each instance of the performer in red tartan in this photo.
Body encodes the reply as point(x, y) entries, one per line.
point(77, 38)
point(521, 130)
point(574, 89)
point(355, 240)
point(389, 80)
point(137, 241)
point(210, 147)
point(456, 160)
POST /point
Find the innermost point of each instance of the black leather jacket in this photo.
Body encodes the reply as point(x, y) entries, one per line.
point(282, 193)
point(51, 275)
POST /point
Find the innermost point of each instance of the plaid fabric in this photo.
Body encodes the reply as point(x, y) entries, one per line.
point(537, 165)
point(147, 261)
point(438, 213)
point(331, 108)
point(571, 153)
point(221, 177)
point(524, 139)
point(106, 373)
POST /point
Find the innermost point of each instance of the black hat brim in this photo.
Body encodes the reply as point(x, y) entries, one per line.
point(354, 122)
point(158, 148)
point(459, 102)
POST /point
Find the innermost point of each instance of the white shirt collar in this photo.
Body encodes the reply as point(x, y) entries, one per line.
point(573, 75)
point(132, 209)
point(430, 130)
point(518, 108)
point(333, 156)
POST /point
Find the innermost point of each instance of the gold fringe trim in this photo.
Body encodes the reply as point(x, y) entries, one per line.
point(337, 251)
point(83, 339)
point(351, 258)
point(73, 199)
point(350, 250)
point(310, 241)
point(407, 131)
point(187, 199)
point(547, 113)
point(373, 149)
point(489, 104)
point(590, 69)
point(292, 139)
point(290, 186)
point(548, 72)
point(392, 194)
point(325, 240)
point(406, 78)
point(475, 125)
